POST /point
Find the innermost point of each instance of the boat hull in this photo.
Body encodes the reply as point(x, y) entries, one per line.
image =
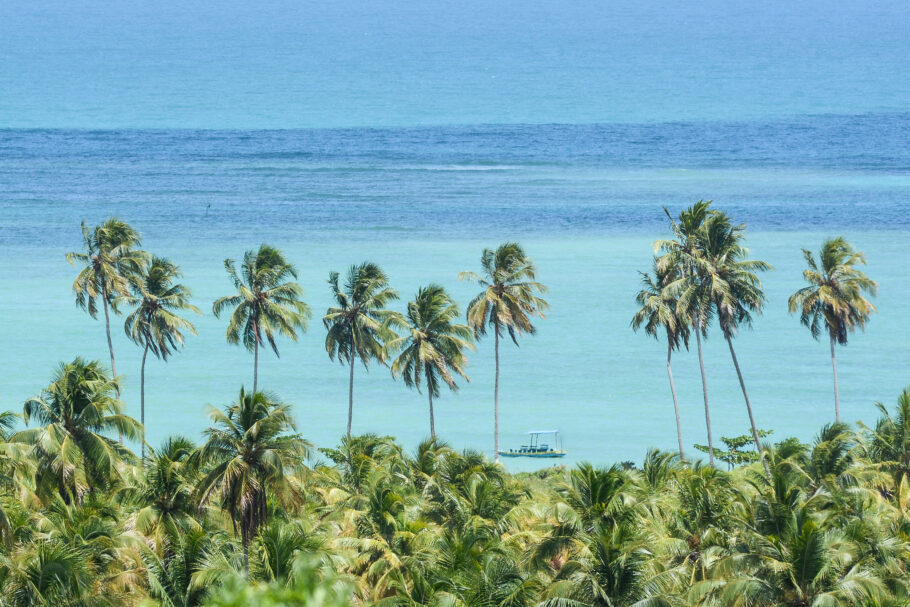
point(542, 454)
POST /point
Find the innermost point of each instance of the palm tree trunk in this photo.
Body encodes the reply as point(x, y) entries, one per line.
point(496, 399)
point(432, 421)
point(256, 360)
point(246, 559)
point(142, 397)
point(682, 455)
point(704, 389)
point(836, 393)
point(110, 344)
point(351, 394)
point(742, 384)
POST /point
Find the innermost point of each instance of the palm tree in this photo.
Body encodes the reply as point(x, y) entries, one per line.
point(834, 298)
point(252, 454)
point(49, 572)
point(154, 324)
point(735, 290)
point(163, 495)
point(889, 441)
point(75, 410)
point(682, 253)
point(507, 303)
point(434, 346)
point(658, 311)
point(266, 305)
point(358, 326)
point(109, 261)
point(806, 563)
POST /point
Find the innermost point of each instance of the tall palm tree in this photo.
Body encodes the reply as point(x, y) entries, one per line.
point(109, 260)
point(735, 290)
point(508, 302)
point(682, 253)
point(834, 298)
point(434, 346)
point(659, 311)
point(358, 326)
point(266, 304)
point(154, 324)
point(74, 412)
point(252, 454)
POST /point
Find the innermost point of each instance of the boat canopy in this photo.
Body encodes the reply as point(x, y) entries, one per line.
point(544, 432)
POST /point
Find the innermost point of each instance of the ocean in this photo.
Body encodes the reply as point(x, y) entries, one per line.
point(416, 134)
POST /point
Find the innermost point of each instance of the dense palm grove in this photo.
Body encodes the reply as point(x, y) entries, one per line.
point(245, 518)
point(252, 514)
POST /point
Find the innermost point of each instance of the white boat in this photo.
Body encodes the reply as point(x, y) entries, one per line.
point(536, 447)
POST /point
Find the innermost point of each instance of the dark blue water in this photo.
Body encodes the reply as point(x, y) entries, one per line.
point(817, 173)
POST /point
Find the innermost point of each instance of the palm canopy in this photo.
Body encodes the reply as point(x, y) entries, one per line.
point(75, 412)
point(683, 258)
point(659, 307)
point(433, 350)
point(157, 297)
point(729, 278)
point(358, 325)
point(266, 304)
point(252, 450)
point(834, 297)
point(687, 231)
point(510, 292)
point(164, 492)
point(109, 259)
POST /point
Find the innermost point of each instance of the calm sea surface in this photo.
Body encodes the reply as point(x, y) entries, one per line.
point(321, 140)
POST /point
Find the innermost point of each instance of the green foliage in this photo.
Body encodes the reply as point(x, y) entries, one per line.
point(433, 349)
point(71, 451)
point(310, 588)
point(740, 449)
point(834, 299)
point(241, 520)
point(509, 298)
point(110, 260)
point(358, 326)
point(267, 304)
point(154, 323)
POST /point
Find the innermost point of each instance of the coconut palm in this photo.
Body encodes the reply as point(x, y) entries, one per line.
point(109, 260)
point(358, 326)
point(658, 311)
point(734, 288)
point(682, 253)
point(163, 494)
point(171, 579)
point(49, 572)
point(834, 298)
point(266, 304)
point(508, 302)
point(807, 563)
point(75, 411)
point(889, 441)
point(434, 346)
point(154, 324)
point(252, 453)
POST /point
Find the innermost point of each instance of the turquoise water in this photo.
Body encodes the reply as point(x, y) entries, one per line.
point(586, 121)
